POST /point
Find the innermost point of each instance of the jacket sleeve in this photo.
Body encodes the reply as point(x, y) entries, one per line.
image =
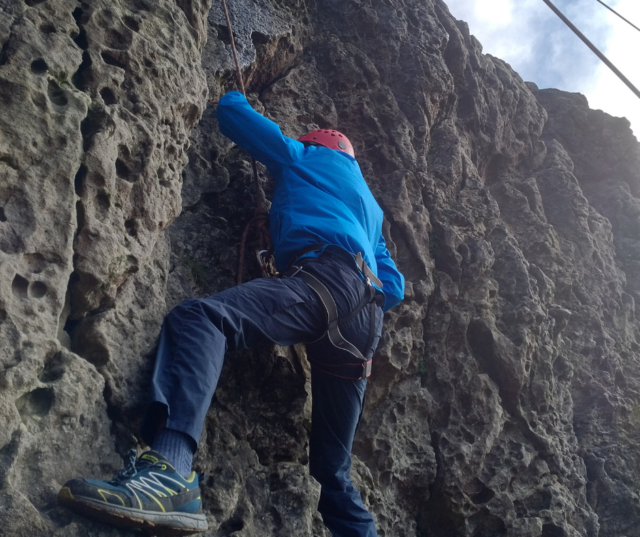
point(392, 280)
point(260, 136)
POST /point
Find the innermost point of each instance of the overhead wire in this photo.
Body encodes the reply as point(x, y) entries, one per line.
point(593, 48)
point(618, 14)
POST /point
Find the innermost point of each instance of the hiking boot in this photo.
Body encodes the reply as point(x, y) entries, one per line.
point(148, 494)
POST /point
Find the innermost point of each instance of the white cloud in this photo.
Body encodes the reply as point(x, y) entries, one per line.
point(533, 40)
point(499, 25)
point(500, 14)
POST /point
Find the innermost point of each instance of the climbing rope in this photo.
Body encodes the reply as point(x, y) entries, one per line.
point(593, 47)
point(618, 14)
point(260, 218)
point(233, 47)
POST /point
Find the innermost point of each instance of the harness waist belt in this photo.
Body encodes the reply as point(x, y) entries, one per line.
point(360, 262)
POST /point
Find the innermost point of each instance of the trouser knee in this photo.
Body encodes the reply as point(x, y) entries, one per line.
point(192, 309)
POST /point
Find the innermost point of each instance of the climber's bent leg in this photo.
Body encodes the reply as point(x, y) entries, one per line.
point(196, 334)
point(194, 338)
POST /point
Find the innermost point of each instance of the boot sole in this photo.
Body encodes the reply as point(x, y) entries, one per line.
point(160, 524)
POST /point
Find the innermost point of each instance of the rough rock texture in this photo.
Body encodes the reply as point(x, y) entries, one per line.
point(97, 100)
point(505, 398)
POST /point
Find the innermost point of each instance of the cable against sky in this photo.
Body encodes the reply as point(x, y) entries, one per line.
point(593, 48)
point(528, 35)
point(618, 14)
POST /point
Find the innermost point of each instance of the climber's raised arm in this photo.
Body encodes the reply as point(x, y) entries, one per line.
point(260, 136)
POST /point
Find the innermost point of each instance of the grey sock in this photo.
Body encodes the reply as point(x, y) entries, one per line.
point(176, 447)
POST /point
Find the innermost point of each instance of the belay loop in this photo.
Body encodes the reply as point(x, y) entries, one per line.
point(260, 218)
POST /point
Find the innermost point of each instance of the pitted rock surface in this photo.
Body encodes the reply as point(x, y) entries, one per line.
point(504, 399)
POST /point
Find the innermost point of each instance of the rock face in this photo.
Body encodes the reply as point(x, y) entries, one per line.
point(505, 397)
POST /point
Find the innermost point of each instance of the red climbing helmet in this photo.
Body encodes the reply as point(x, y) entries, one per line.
point(329, 138)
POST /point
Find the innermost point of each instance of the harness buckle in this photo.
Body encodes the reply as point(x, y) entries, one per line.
point(291, 273)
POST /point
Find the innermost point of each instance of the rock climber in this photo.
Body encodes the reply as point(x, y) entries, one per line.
point(338, 278)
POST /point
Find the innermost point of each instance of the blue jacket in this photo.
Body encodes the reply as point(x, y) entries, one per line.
point(320, 196)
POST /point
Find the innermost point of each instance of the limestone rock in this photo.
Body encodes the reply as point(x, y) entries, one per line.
point(96, 107)
point(504, 398)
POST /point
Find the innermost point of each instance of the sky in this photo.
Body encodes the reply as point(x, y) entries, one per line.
point(542, 49)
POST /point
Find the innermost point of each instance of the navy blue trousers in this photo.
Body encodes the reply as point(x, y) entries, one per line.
point(197, 333)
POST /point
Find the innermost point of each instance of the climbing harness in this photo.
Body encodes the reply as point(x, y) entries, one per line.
point(367, 273)
point(260, 220)
point(347, 369)
point(592, 47)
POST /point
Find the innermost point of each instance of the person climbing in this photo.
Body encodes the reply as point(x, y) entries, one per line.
point(338, 278)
